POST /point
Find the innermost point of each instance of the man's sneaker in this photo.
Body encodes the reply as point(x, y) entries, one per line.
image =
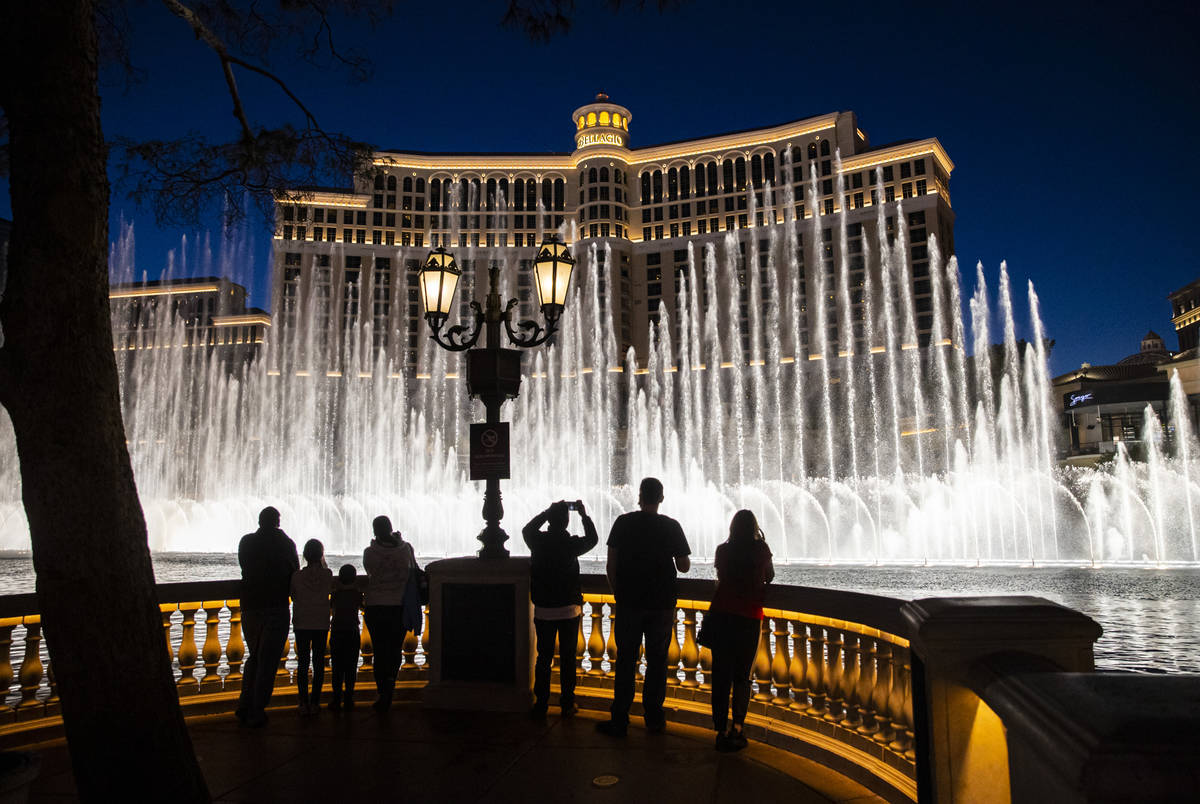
point(737, 740)
point(611, 728)
point(722, 743)
point(569, 710)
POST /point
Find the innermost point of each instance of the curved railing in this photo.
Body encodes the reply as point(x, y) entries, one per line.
point(832, 674)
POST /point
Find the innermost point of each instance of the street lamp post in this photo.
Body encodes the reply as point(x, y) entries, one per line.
point(493, 372)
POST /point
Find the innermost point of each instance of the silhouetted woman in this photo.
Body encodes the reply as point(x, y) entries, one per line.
point(387, 560)
point(744, 569)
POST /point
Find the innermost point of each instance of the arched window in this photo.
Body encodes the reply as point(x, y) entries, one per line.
point(618, 176)
point(685, 182)
point(645, 188)
point(592, 179)
point(464, 193)
point(824, 147)
point(812, 150)
point(391, 184)
point(604, 118)
point(476, 200)
point(769, 167)
point(503, 198)
point(435, 194)
point(712, 178)
point(700, 179)
point(756, 173)
point(518, 194)
point(531, 194)
point(604, 175)
point(421, 186)
point(658, 186)
point(616, 120)
point(580, 122)
point(407, 183)
point(672, 184)
point(739, 167)
point(547, 194)
point(727, 176)
point(591, 119)
point(560, 195)
point(491, 194)
point(378, 181)
point(582, 176)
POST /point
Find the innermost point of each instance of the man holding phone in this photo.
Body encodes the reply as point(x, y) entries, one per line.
point(557, 598)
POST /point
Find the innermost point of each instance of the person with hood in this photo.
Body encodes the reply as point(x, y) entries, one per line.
point(310, 621)
point(267, 558)
point(388, 561)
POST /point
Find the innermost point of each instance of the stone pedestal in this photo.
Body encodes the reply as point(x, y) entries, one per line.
point(481, 635)
point(962, 755)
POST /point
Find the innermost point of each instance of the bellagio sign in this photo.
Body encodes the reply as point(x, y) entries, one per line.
point(599, 138)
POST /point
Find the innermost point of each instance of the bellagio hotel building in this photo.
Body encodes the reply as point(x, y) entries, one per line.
point(344, 257)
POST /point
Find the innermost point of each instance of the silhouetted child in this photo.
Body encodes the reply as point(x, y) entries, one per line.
point(343, 636)
point(310, 620)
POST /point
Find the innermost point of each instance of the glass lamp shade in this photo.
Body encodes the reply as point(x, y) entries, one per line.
point(552, 271)
point(439, 279)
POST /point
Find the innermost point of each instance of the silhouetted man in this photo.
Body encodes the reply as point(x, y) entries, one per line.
point(645, 549)
point(557, 599)
point(268, 559)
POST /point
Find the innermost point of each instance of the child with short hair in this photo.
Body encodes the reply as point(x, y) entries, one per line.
point(345, 601)
point(310, 621)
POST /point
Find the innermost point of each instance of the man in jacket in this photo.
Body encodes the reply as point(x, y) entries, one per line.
point(645, 549)
point(268, 559)
point(557, 599)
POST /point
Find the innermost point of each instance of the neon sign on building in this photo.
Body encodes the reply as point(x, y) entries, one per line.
point(599, 138)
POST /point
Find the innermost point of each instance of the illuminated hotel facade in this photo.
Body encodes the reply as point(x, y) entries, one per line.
point(345, 257)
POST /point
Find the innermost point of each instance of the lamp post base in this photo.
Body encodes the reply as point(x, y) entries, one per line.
point(492, 538)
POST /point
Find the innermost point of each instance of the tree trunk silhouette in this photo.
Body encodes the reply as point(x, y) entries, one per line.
point(58, 381)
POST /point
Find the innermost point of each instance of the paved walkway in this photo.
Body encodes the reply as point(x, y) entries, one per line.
point(418, 755)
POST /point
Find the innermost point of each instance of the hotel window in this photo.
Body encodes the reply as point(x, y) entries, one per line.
point(673, 211)
point(812, 151)
point(743, 221)
point(827, 187)
point(828, 206)
point(739, 168)
point(672, 184)
point(377, 219)
point(594, 230)
point(921, 187)
point(729, 204)
point(318, 233)
point(858, 200)
point(418, 239)
point(330, 234)
point(906, 188)
point(389, 238)
point(360, 217)
point(645, 233)
point(658, 232)
point(674, 230)
point(917, 235)
point(824, 147)
point(687, 228)
point(593, 193)
point(728, 223)
point(390, 219)
point(300, 233)
point(701, 226)
point(889, 173)
point(826, 167)
point(289, 213)
point(905, 170)
point(919, 167)
point(645, 216)
point(727, 176)
point(658, 213)
point(889, 194)
point(657, 181)
point(714, 225)
point(654, 289)
point(377, 200)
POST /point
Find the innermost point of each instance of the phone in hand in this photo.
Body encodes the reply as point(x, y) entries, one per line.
point(573, 505)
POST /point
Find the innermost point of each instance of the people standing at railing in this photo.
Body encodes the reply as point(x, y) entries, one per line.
point(557, 598)
point(345, 602)
point(733, 622)
point(267, 558)
point(388, 561)
point(310, 620)
point(645, 548)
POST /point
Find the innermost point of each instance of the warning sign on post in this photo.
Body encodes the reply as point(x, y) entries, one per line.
point(489, 451)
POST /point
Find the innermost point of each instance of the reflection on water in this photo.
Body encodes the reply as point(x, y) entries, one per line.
point(1151, 618)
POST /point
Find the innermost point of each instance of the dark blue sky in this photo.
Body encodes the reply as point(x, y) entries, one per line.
point(1073, 127)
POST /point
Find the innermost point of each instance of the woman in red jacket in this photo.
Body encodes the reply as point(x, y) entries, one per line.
point(744, 569)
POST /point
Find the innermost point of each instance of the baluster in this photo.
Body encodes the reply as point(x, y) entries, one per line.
point(610, 647)
point(673, 653)
point(706, 668)
point(366, 650)
point(690, 655)
point(580, 647)
point(30, 674)
point(426, 638)
point(880, 699)
point(187, 648)
point(211, 653)
point(896, 699)
point(595, 644)
point(235, 651)
point(868, 656)
point(798, 668)
point(780, 672)
point(167, 609)
point(833, 675)
point(762, 663)
point(814, 680)
point(906, 712)
point(850, 678)
point(408, 653)
point(6, 668)
point(282, 676)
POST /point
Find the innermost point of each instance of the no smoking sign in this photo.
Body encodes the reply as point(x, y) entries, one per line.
point(489, 451)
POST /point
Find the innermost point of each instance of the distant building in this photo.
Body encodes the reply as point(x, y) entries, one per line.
point(206, 313)
point(1185, 315)
point(347, 255)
